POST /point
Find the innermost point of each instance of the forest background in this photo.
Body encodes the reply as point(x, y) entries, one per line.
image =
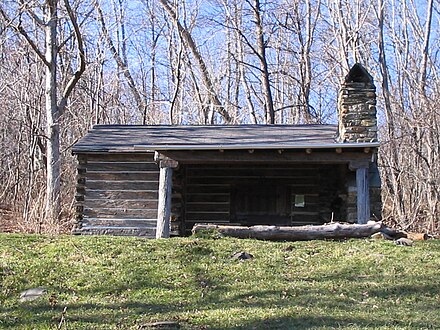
point(67, 65)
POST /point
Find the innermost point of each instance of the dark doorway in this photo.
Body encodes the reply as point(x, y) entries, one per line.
point(263, 202)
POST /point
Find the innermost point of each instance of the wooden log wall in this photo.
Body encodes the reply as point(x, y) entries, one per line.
point(257, 194)
point(117, 194)
point(177, 202)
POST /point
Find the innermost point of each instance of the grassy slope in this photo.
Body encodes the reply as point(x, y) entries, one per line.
point(124, 283)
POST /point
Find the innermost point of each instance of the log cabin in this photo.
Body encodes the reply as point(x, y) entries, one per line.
point(157, 181)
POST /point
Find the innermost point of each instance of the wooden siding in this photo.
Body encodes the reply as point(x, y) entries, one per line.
point(117, 194)
point(261, 194)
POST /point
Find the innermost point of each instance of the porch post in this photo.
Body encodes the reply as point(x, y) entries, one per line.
point(363, 195)
point(165, 194)
point(363, 191)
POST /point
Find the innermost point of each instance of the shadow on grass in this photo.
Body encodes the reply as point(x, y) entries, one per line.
point(125, 301)
point(328, 322)
point(94, 315)
point(89, 315)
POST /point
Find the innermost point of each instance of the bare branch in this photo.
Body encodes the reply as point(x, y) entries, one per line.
point(23, 32)
point(32, 14)
point(119, 61)
point(82, 59)
point(186, 36)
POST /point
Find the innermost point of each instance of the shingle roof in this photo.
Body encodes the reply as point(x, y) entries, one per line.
point(130, 138)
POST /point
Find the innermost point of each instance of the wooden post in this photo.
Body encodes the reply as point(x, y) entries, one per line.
point(166, 166)
point(363, 191)
point(164, 207)
point(363, 195)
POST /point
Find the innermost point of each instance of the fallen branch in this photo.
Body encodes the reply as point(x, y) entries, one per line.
point(300, 233)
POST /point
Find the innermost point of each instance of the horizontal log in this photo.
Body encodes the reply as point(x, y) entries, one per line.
point(139, 223)
point(121, 185)
point(120, 213)
point(123, 194)
point(226, 167)
point(120, 157)
point(190, 223)
point(121, 204)
point(207, 216)
point(117, 231)
point(304, 213)
point(304, 190)
point(307, 208)
point(208, 198)
point(252, 173)
point(299, 220)
point(207, 207)
point(120, 176)
point(265, 156)
point(303, 233)
point(206, 188)
point(296, 181)
point(123, 167)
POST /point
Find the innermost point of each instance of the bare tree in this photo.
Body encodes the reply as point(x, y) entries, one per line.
point(121, 60)
point(260, 51)
point(55, 105)
point(189, 41)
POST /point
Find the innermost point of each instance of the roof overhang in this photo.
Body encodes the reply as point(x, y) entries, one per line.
point(141, 139)
point(194, 147)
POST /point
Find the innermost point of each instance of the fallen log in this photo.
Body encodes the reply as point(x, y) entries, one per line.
point(300, 233)
point(417, 236)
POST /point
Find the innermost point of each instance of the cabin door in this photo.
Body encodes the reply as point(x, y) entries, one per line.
point(260, 203)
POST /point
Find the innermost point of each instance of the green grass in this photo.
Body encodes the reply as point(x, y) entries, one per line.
point(126, 283)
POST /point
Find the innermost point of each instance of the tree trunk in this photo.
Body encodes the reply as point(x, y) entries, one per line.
point(53, 202)
point(206, 79)
point(427, 34)
point(384, 70)
point(301, 233)
point(265, 79)
point(122, 64)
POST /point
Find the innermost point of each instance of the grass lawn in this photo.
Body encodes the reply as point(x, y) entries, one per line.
point(127, 283)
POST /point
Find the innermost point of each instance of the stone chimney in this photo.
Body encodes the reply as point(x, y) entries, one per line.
point(357, 107)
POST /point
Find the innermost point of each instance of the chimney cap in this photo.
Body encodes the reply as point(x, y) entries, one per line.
point(358, 74)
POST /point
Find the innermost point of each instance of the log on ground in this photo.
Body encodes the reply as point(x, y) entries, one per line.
point(300, 233)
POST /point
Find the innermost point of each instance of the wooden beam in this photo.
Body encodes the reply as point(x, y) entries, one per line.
point(165, 161)
point(164, 204)
point(358, 163)
point(363, 196)
point(267, 156)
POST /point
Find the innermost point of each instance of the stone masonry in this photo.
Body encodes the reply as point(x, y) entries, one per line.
point(357, 107)
point(358, 124)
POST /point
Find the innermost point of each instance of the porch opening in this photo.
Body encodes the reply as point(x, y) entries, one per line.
point(286, 195)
